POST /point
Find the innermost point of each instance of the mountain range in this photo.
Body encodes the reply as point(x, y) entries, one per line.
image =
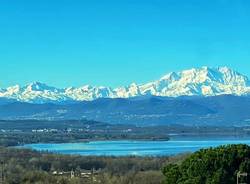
point(200, 96)
point(202, 81)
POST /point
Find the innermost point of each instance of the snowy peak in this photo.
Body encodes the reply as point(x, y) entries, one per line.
point(202, 81)
point(205, 74)
point(208, 81)
point(171, 77)
point(38, 86)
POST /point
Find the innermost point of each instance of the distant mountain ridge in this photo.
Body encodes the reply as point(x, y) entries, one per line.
point(202, 81)
point(224, 110)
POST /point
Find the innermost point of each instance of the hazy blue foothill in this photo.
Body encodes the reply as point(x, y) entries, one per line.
point(224, 110)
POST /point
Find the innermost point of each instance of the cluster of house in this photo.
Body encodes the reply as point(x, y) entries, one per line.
point(44, 130)
point(87, 174)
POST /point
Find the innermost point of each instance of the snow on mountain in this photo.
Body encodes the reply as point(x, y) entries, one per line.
point(202, 81)
point(35, 92)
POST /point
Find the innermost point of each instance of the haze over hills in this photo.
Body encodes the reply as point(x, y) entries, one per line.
point(202, 81)
point(224, 110)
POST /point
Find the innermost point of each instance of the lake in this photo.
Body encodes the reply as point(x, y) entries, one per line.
point(137, 148)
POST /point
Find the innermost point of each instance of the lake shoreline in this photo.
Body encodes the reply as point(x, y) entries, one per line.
point(133, 147)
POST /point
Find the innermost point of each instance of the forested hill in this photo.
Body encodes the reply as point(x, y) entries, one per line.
point(211, 166)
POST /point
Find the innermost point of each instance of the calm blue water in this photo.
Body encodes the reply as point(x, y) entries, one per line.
point(140, 148)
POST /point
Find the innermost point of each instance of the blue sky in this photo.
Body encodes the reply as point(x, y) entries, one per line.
point(113, 43)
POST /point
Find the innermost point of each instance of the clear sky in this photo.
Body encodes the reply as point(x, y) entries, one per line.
point(116, 42)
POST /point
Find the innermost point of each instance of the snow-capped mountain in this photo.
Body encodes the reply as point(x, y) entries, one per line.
point(203, 81)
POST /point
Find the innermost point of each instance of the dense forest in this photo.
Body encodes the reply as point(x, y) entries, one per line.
point(211, 166)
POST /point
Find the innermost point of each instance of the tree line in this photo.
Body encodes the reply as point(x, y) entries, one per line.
point(27, 166)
